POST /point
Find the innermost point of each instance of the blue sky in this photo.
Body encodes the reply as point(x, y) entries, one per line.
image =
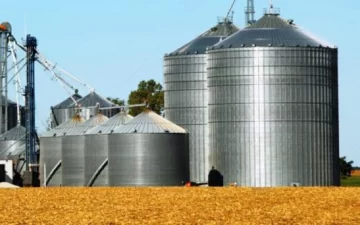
point(113, 44)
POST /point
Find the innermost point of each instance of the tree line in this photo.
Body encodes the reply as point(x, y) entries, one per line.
point(149, 92)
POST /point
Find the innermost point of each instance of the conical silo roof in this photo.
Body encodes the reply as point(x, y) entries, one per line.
point(92, 99)
point(209, 38)
point(62, 129)
point(88, 124)
point(149, 122)
point(109, 125)
point(271, 30)
point(14, 134)
point(68, 102)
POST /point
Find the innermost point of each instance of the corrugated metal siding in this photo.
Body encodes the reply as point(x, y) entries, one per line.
point(273, 115)
point(11, 141)
point(186, 102)
point(96, 152)
point(51, 149)
point(186, 94)
point(148, 159)
point(96, 148)
point(73, 152)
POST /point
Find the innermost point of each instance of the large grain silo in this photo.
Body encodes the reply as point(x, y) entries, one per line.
point(186, 98)
point(64, 111)
point(96, 150)
point(73, 151)
point(88, 103)
point(273, 106)
point(148, 151)
point(51, 151)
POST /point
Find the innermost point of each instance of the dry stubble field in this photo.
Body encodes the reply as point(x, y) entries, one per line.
point(198, 205)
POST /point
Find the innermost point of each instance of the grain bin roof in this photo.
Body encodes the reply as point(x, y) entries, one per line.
point(62, 129)
point(87, 125)
point(67, 102)
point(109, 125)
point(92, 99)
point(14, 134)
point(271, 30)
point(207, 39)
point(149, 122)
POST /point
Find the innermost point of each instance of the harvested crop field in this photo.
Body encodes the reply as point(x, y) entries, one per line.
point(198, 205)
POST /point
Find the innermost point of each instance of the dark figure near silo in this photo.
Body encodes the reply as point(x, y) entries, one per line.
point(215, 178)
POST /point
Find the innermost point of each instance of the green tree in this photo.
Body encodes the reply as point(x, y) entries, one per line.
point(116, 101)
point(148, 92)
point(346, 167)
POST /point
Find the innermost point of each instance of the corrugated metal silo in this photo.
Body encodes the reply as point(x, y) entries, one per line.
point(51, 151)
point(273, 106)
point(186, 91)
point(148, 151)
point(88, 103)
point(73, 152)
point(12, 141)
point(64, 111)
point(96, 150)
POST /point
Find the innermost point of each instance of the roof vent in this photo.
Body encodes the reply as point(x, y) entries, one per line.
point(271, 11)
point(135, 131)
point(112, 131)
point(166, 131)
point(100, 132)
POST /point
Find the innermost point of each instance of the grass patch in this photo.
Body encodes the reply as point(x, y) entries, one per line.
point(353, 181)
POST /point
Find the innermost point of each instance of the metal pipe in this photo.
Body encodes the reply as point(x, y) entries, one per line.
point(97, 172)
point(31, 44)
point(52, 172)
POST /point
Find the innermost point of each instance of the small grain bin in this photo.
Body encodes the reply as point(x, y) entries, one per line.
point(73, 150)
point(96, 150)
point(12, 146)
point(148, 151)
point(50, 151)
point(64, 111)
point(87, 106)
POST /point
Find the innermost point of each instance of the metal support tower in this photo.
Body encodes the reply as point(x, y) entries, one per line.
point(31, 159)
point(5, 30)
point(249, 12)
